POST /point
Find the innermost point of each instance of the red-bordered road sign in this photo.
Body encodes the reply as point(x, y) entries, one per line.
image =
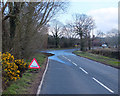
point(34, 64)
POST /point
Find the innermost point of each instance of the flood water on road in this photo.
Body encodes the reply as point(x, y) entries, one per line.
point(58, 53)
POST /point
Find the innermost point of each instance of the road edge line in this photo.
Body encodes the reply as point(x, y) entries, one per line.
point(41, 82)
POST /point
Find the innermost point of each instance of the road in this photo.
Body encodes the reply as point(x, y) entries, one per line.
point(71, 74)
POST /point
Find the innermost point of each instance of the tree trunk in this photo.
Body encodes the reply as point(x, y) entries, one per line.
point(5, 38)
point(56, 42)
point(81, 44)
point(89, 43)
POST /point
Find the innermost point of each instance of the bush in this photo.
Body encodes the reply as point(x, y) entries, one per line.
point(22, 66)
point(107, 52)
point(11, 69)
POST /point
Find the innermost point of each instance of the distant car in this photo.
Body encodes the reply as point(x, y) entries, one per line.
point(104, 45)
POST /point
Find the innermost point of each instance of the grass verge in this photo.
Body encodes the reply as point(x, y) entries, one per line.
point(99, 58)
point(28, 78)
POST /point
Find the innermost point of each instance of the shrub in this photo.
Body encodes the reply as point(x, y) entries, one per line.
point(22, 66)
point(106, 52)
point(11, 69)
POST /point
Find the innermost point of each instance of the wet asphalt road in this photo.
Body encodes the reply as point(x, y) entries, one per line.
point(71, 74)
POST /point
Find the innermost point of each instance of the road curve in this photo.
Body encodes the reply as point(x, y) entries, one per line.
point(71, 74)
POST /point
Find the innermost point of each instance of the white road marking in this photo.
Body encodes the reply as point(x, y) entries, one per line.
point(103, 85)
point(70, 61)
point(74, 63)
point(64, 56)
point(39, 88)
point(83, 70)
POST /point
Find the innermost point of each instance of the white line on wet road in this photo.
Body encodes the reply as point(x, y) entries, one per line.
point(103, 85)
point(83, 70)
point(70, 60)
point(74, 63)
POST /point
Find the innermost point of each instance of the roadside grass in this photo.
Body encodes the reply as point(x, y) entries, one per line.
point(21, 86)
point(99, 58)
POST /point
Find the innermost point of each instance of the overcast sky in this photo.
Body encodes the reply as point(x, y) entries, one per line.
point(104, 12)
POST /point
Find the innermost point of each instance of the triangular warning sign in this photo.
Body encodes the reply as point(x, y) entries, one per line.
point(34, 64)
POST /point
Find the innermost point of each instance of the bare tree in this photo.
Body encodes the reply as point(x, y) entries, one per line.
point(83, 25)
point(10, 12)
point(57, 31)
point(111, 38)
point(69, 31)
point(23, 23)
point(100, 34)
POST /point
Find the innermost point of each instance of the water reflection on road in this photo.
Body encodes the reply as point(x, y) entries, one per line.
point(59, 53)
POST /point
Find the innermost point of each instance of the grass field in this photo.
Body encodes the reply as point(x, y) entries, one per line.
point(22, 86)
point(99, 58)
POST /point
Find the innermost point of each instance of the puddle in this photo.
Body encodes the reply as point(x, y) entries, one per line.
point(57, 54)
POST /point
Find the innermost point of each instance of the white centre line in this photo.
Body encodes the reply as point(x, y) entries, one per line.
point(83, 70)
point(64, 56)
point(74, 63)
point(103, 85)
point(70, 60)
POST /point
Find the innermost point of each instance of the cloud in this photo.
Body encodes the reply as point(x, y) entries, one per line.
point(105, 18)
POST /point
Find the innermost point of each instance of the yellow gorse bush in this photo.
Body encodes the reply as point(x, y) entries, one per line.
point(11, 68)
point(22, 66)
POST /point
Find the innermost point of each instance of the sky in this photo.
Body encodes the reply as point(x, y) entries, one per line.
point(104, 12)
